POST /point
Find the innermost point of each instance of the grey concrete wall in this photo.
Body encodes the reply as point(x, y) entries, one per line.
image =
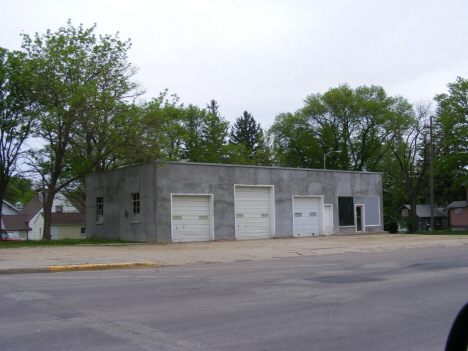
point(219, 181)
point(116, 188)
point(157, 181)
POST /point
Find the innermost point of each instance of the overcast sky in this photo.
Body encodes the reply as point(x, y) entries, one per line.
point(267, 56)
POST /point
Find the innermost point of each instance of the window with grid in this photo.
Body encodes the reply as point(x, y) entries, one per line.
point(100, 209)
point(136, 207)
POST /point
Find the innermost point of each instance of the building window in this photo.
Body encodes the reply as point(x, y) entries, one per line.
point(83, 231)
point(100, 209)
point(458, 211)
point(136, 207)
point(346, 211)
point(372, 211)
point(59, 208)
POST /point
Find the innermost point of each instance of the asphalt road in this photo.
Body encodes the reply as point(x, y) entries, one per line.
point(400, 300)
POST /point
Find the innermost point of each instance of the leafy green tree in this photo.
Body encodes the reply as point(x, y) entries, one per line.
point(356, 122)
point(193, 123)
point(204, 135)
point(162, 119)
point(82, 85)
point(452, 147)
point(411, 157)
point(17, 113)
point(215, 132)
point(173, 131)
point(20, 190)
point(294, 143)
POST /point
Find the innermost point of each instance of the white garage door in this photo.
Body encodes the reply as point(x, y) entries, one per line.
point(253, 212)
point(307, 216)
point(191, 218)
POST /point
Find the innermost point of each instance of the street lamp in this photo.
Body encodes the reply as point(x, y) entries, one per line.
point(325, 158)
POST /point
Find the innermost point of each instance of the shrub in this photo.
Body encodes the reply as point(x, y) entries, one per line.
point(391, 218)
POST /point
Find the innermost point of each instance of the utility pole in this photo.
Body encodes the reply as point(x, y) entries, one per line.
point(432, 176)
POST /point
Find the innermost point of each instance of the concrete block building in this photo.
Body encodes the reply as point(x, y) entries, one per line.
point(180, 202)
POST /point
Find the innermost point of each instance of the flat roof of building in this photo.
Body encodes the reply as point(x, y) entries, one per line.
point(233, 165)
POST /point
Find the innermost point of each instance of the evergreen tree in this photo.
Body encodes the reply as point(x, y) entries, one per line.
point(215, 132)
point(213, 108)
point(246, 131)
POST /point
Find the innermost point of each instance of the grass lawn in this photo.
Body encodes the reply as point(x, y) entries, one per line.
point(63, 242)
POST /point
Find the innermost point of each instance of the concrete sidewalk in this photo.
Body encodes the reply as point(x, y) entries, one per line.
point(80, 257)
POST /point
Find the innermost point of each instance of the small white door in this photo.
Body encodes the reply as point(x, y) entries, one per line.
point(253, 212)
point(307, 216)
point(328, 219)
point(54, 233)
point(191, 218)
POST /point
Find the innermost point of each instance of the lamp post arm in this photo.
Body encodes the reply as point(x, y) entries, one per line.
point(325, 157)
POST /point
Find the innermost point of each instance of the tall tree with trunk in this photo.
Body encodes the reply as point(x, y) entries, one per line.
point(17, 113)
point(452, 138)
point(411, 154)
point(82, 84)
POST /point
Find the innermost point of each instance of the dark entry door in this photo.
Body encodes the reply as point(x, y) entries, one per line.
point(359, 218)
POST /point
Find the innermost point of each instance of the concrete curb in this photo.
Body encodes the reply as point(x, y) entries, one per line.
point(81, 267)
point(94, 267)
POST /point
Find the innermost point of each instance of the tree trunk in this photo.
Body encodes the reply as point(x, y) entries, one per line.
point(412, 202)
point(2, 195)
point(49, 199)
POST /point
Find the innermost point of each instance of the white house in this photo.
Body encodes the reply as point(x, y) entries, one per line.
point(68, 226)
point(28, 224)
point(8, 210)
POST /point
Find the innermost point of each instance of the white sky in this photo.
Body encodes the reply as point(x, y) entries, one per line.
point(267, 56)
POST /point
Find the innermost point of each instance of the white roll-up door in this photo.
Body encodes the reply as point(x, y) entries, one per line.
point(328, 219)
point(307, 216)
point(191, 218)
point(253, 212)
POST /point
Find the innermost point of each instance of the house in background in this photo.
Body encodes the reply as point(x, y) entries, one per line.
point(423, 217)
point(68, 226)
point(458, 211)
point(8, 210)
point(28, 224)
